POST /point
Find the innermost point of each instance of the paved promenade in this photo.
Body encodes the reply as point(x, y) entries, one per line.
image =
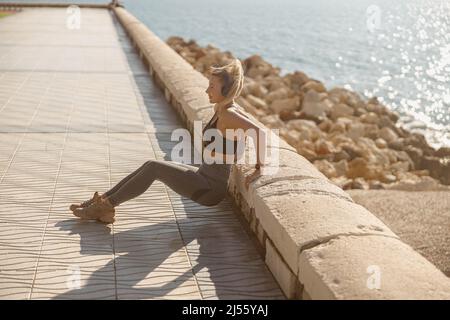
point(78, 112)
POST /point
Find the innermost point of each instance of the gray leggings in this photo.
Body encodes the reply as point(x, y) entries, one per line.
point(206, 185)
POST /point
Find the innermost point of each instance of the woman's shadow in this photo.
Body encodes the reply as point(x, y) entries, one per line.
point(158, 248)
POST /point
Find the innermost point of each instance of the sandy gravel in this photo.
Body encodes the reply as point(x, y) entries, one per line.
point(420, 218)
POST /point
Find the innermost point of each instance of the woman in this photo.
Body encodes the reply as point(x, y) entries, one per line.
point(206, 185)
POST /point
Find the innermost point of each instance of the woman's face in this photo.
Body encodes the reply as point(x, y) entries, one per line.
point(214, 89)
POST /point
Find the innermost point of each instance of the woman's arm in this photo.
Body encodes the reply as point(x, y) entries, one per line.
point(233, 120)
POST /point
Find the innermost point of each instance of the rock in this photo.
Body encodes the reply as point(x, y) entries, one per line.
point(360, 111)
point(388, 178)
point(312, 105)
point(341, 167)
point(360, 167)
point(376, 185)
point(373, 100)
point(260, 91)
point(357, 183)
point(323, 147)
point(326, 168)
point(257, 102)
point(274, 82)
point(352, 150)
point(371, 131)
point(381, 143)
point(290, 104)
point(385, 121)
point(313, 85)
point(370, 117)
point(421, 173)
point(306, 152)
point(341, 155)
point(393, 116)
point(342, 95)
point(418, 140)
point(259, 72)
point(401, 166)
point(337, 128)
point(307, 129)
point(415, 154)
point(280, 93)
point(296, 80)
point(340, 110)
point(325, 125)
point(443, 152)
point(371, 152)
point(250, 108)
point(300, 124)
point(355, 130)
point(340, 139)
point(287, 115)
point(272, 121)
point(255, 67)
point(387, 134)
point(292, 137)
point(404, 156)
point(340, 181)
point(396, 144)
point(438, 169)
point(248, 87)
point(376, 108)
point(254, 61)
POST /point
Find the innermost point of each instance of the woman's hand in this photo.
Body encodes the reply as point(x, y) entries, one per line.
point(251, 177)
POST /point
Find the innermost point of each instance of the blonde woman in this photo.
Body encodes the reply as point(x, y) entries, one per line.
point(207, 184)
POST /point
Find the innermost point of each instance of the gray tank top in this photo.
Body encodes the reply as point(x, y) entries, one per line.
point(213, 124)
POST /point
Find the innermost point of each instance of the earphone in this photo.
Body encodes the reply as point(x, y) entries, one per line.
point(227, 84)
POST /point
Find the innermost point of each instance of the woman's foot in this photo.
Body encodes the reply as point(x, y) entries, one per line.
point(100, 209)
point(84, 204)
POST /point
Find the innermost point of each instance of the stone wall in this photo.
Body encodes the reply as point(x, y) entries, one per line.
point(318, 243)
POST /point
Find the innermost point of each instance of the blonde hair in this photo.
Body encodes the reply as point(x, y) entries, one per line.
point(232, 76)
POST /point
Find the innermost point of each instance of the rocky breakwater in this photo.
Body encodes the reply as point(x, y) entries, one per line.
point(357, 143)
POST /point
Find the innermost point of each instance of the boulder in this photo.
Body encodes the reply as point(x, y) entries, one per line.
point(257, 102)
point(326, 168)
point(312, 105)
point(387, 134)
point(290, 104)
point(360, 167)
point(296, 80)
point(340, 110)
point(370, 117)
point(280, 93)
point(313, 85)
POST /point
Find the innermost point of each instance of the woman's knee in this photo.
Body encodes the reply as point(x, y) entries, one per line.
point(211, 200)
point(150, 164)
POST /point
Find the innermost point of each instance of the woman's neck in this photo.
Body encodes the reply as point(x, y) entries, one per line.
point(218, 107)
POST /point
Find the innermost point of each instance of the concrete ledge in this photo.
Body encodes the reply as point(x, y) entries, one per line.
point(370, 267)
point(54, 5)
point(318, 243)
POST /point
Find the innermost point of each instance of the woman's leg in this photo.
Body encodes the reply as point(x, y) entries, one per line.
point(181, 178)
point(122, 182)
point(112, 190)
